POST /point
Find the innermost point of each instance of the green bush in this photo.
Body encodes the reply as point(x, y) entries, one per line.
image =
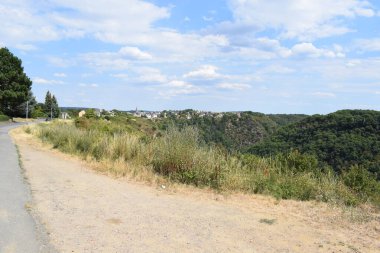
point(179, 155)
point(362, 182)
point(3, 117)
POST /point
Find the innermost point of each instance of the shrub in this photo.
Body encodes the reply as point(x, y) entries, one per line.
point(179, 155)
point(3, 117)
point(363, 183)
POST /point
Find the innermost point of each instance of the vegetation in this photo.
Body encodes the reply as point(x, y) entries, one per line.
point(15, 86)
point(341, 140)
point(233, 131)
point(3, 117)
point(181, 155)
point(51, 107)
point(39, 111)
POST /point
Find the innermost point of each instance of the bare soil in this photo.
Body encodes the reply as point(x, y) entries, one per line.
point(85, 211)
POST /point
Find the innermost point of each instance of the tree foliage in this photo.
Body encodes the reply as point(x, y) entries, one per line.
point(51, 106)
point(341, 139)
point(233, 131)
point(15, 86)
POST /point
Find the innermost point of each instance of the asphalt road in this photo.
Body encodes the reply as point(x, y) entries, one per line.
point(18, 230)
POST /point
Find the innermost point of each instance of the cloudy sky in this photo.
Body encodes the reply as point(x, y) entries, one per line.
point(278, 56)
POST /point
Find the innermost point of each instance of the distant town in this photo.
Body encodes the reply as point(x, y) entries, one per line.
point(70, 112)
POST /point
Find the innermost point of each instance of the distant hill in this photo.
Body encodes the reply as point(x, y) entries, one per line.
point(339, 139)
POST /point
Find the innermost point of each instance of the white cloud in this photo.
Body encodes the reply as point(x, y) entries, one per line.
point(324, 94)
point(26, 47)
point(178, 87)
point(39, 80)
point(377, 92)
point(305, 20)
point(60, 75)
point(105, 61)
point(60, 62)
point(122, 22)
point(89, 85)
point(134, 53)
point(272, 45)
point(308, 49)
point(353, 63)
point(233, 86)
point(119, 60)
point(207, 19)
point(150, 75)
point(121, 76)
point(368, 45)
point(207, 72)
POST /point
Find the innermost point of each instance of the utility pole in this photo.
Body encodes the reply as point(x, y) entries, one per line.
point(27, 109)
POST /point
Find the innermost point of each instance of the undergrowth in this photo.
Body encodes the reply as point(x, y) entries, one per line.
point(180, 156)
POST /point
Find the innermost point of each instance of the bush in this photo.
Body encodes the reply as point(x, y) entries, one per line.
point(3, 117)
point(362, 182)
point(179, 155)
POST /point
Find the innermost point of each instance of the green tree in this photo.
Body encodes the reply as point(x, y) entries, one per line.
point(38, 111)
point(51, 105)
point(15, 85)
point(56, 110)
point(90, 114)
point(48, 104)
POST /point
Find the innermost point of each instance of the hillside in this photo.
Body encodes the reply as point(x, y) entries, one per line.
point(233, 131)
point(340, 139)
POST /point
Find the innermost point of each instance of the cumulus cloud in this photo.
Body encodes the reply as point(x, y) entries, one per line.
point(134, 53)
point(308, 49)
point(207, 72)
point(305, 20)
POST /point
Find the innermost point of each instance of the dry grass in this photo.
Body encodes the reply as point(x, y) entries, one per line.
point(178, 156)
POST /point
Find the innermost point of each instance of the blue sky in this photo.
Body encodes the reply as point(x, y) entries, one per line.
point(279, 56)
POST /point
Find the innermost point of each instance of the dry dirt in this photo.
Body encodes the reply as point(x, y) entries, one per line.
point(85, 211)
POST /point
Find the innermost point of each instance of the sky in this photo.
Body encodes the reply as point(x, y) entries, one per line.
point(278, 56)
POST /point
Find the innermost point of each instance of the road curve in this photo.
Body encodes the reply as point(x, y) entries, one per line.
point(18, 231)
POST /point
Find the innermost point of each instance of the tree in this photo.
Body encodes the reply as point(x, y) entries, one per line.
point(55, 106)
point(15, 85)
point(51, 105)
point(48, 104)
point(38, 111)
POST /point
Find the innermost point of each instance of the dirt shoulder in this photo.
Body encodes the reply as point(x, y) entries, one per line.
point(84, 211)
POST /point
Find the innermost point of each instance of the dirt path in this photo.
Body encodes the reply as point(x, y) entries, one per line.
point(87, 212)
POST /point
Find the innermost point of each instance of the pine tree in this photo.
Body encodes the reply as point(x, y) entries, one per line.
point(48, 104)
point(51, 106)
point(55, 107)
point(15, 85)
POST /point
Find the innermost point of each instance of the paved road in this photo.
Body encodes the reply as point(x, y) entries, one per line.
point(17, 228)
